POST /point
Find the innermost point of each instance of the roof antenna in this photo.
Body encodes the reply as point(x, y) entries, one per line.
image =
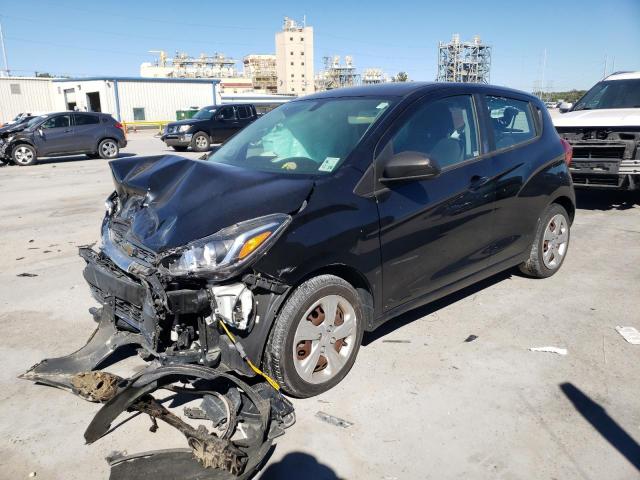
point(304, 20)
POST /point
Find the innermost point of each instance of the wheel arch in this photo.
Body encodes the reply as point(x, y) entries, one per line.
point(567, 204)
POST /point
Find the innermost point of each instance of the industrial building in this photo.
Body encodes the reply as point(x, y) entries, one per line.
point(294, 58)
point(464, 61)
point(337, 74)
point(24, 94)
point(262, 71)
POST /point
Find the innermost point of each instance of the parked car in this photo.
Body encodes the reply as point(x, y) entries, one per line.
point(97, 135)
point(604, 130)
point(326, 218)
point(212, 124)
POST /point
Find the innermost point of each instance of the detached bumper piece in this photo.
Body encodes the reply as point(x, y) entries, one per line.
point(237, 421)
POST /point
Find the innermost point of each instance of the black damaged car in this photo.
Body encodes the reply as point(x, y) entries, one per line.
point(323, 219)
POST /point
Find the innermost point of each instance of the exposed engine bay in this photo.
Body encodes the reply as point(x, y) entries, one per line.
point(607, 157)
point(192, 329)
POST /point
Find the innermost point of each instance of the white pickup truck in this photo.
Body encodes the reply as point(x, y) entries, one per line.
point(603, 127)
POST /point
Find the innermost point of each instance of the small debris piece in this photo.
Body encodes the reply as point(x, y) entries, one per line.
point(95, 386)
point(630, 334)
point(470, 338)
point(46, 251)
point(20, 258)
point(32, 475)
point(559, 351)
point(396, 341)
point(31, 241)
point(338, 422)
point(27, 275)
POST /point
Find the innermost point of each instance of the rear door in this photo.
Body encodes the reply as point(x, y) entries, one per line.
point(244, 114)
point(514, 130)
point(434, 232)
point(57, 135)
point(87, 129)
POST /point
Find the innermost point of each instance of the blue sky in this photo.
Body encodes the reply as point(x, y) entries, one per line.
point(83, 38)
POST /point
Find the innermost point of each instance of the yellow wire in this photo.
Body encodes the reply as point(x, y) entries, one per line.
point(269, 380)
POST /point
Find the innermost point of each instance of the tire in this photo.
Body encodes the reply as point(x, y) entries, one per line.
point(329, 357)
point(108, 149)
point(24, 155)
point(200, 142)
point(179, 149)
point(550, 244)
point(93, 155)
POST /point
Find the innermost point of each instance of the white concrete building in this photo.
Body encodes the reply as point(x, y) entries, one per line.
point(131, 99)
point(294, 58)
point(24, 94)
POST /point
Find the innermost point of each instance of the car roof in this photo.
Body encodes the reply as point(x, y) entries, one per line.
point(624, 76)
point(405, 89)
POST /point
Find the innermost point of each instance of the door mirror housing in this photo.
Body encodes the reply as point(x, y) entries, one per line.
point(40, 131)
point(407, 166)
point(564, 107)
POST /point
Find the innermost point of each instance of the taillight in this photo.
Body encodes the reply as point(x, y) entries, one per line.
point(119, 125)
point(568, 151)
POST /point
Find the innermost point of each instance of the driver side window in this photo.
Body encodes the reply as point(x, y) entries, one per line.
point(444, 130)
point(60, 121)
point(227, 113)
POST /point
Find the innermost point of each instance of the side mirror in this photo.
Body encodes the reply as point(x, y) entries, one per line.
point(40, 131)
point(564, 107)
point(407, 166)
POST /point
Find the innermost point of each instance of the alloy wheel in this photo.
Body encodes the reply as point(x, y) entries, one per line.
point(324, 339)
point(555, 241)
point(201, 141)
point(109, 149)
point(23, 155)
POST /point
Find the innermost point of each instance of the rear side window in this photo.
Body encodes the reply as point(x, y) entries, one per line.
point(244, 111)
point(511, 120)
point(444, 130)
point(58, 122)
point(85, 120)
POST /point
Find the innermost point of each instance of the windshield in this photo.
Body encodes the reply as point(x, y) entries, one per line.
point(611, 94)
point(35, 121)
point(205, 113)
point(303, 137)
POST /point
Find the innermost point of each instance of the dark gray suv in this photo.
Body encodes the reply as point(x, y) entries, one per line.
point(97, 135)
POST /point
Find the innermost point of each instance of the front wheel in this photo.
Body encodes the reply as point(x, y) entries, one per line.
point(24, 155)
point(550, 244)
point(108, 149)
point(316, 336)
point(200, 142)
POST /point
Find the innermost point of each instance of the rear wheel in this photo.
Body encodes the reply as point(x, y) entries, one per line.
point(24, 155)
point(108, 149)
point(550, 244)
point(316, 336)
point(200, 142)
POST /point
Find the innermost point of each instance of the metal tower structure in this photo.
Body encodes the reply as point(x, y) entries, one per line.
point(337, 74)
point(468, 62)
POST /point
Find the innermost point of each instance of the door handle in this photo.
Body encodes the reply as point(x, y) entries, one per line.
point(477, 181)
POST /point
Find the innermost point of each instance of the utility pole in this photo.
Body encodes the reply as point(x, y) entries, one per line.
point(604, 70)
point(544, 67)
point(4, 52)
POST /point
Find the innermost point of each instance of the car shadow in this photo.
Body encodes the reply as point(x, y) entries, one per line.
point(606, 199)
point(606, 426)
point(419, 312)
point(77, 158)
point(298, 465)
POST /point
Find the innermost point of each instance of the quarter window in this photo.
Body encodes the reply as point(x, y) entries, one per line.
point(511, 121)
point(57, 122)
point(444, 130)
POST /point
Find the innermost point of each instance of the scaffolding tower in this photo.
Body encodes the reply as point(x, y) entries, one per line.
point(337, 74)
point(468, 62)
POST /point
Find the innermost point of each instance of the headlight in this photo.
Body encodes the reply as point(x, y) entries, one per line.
point(184, 128)
point(225, 252)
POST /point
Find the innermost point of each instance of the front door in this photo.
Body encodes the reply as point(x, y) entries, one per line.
point(226, 123)
point(434, 232)
point(56, 136)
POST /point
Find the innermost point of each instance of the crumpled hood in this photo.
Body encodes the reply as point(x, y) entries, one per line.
point(185, 200)
point(4, 131)
point(613, 117)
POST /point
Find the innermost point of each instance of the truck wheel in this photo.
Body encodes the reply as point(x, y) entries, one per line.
point(108, 149)
point(550, 244)
point(179, 149)
point(200, 142)
point(24, 155)
point(316, 336)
